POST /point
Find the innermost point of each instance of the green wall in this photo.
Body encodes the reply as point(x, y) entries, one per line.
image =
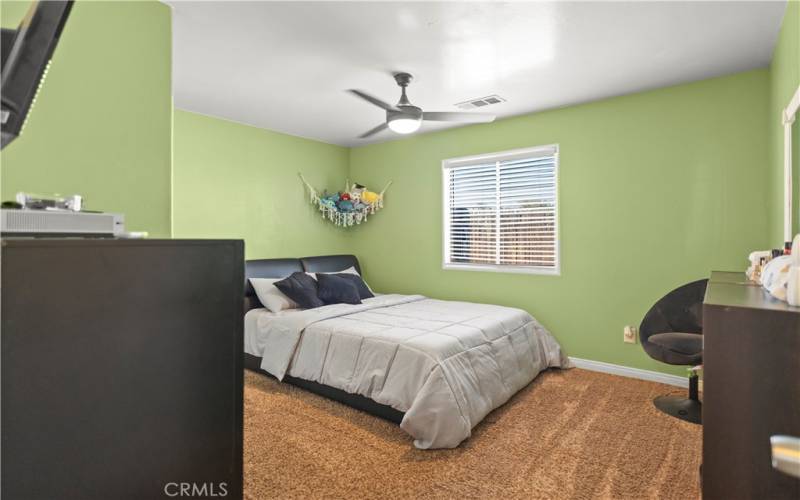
point(656, 189)
point(101, 126)
point(237, 181)
point(784, 80)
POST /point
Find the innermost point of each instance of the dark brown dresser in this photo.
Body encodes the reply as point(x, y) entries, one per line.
point(751, 379)
point(121, 369)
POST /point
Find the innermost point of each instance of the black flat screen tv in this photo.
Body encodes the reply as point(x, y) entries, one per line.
point(26, 53)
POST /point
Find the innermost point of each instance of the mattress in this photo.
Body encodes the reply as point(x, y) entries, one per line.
point(445, 364)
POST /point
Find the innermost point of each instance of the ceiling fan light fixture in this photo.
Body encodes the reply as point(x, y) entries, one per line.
point(405, 118)
point(404, 124)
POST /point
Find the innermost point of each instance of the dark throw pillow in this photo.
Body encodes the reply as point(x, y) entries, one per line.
point(363, 289)
point(333, 289)
point(302, 289)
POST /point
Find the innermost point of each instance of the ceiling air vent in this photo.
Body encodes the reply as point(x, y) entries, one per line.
point(481, 102)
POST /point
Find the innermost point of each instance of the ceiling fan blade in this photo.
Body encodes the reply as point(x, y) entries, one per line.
point(373, 100)
point(448, 116)
point(374, 131)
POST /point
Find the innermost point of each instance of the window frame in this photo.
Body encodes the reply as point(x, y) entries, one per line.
point(512, 154)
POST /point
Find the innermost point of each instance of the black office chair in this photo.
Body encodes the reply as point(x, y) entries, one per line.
point(672, 332)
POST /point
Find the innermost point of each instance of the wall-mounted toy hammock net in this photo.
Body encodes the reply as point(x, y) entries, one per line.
point(349, 207)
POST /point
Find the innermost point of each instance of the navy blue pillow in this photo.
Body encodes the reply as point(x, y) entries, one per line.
point(363, 289)
point(332, 289)
point(302, 289)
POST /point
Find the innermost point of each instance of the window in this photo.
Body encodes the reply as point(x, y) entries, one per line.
point(500, 211)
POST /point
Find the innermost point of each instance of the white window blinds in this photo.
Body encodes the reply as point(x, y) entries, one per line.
point(500, 211)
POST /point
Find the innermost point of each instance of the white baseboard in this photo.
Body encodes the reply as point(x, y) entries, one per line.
point(624, 371)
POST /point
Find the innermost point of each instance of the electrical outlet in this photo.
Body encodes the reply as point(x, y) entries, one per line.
point(629, 334)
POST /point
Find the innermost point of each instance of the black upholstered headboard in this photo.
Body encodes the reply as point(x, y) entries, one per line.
point(281, 268)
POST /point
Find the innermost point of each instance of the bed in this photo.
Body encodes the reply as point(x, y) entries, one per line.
point(435, 367)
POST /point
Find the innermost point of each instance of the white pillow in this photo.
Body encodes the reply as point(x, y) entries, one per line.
point(269, 295)
point(349, 270)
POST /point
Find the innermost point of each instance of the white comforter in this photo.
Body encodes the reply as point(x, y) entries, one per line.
point(445, 364)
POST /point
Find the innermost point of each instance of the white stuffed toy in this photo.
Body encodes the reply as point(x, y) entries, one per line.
point(775, 276)
point(793, 278)
point(781, 275)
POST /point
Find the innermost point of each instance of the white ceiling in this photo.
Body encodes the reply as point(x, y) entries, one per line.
point(285, 66)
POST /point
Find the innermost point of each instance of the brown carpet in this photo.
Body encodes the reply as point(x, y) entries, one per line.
point(569, 434)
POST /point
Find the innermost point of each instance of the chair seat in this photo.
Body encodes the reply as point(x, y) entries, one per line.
point(678, 347)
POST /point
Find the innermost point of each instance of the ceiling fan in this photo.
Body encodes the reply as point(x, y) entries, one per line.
point(405, 118)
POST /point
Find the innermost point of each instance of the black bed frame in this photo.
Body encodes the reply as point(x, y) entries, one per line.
point(280, 268)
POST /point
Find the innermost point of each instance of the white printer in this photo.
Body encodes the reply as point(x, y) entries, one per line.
point(38, 216)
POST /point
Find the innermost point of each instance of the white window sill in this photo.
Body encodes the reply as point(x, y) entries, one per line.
point(503, 269)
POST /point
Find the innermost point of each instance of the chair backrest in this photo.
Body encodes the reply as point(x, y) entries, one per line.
point(681, 310)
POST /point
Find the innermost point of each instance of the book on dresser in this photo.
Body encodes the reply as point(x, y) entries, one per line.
point(121, 368)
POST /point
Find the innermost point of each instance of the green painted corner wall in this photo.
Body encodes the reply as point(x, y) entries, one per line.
point(784, 75)
point(236, 181)
point(101, 126)
point(656, 189)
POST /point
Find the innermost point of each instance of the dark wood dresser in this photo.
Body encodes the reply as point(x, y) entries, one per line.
point(121, 368)
point(751, 379)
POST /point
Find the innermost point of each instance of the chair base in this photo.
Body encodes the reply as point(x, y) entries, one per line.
point(686, 409)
